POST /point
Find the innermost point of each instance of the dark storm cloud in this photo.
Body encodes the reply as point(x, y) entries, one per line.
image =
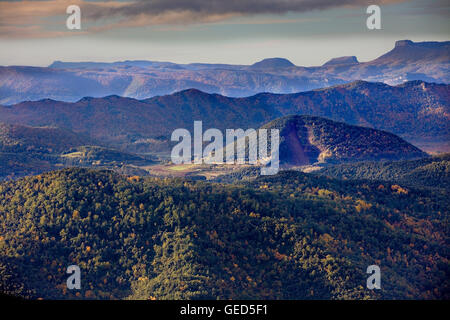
point(226, 7)
point(35, 18)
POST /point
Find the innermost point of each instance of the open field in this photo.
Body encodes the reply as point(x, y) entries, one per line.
point(188, 170)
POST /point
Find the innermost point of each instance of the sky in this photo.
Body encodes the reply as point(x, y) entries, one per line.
point(307, 32)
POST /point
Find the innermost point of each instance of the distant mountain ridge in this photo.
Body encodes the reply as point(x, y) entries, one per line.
point(416, 111)
point(71, 81)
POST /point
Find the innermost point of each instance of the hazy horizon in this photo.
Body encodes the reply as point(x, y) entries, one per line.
point(34, 33)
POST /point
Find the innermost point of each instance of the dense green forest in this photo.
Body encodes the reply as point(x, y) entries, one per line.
point(430, 172)
point(289, 236)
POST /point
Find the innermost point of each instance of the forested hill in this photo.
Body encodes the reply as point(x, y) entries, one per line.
point(306, 140)
point(430, 172)
point(289, 236)
point(18, 138)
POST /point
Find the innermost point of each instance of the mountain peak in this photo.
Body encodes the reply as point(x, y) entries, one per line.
point(191, 92)
point(272, 63)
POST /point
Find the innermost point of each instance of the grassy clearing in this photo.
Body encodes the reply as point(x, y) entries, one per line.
point(77, 154)
point(182, 167)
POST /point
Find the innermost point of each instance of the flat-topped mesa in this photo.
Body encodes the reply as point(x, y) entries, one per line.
point(424, 44)
point(406, 52)
point(347, 60)
point(403, 43)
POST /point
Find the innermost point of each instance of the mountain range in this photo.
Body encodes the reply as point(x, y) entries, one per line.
point(416, 111)
point(71, 81)
point(79, 140)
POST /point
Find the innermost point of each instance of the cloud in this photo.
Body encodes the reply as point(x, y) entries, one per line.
point(167, 11)
point(37, 18)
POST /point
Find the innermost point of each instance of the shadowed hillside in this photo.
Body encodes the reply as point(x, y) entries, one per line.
point(307, 140)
